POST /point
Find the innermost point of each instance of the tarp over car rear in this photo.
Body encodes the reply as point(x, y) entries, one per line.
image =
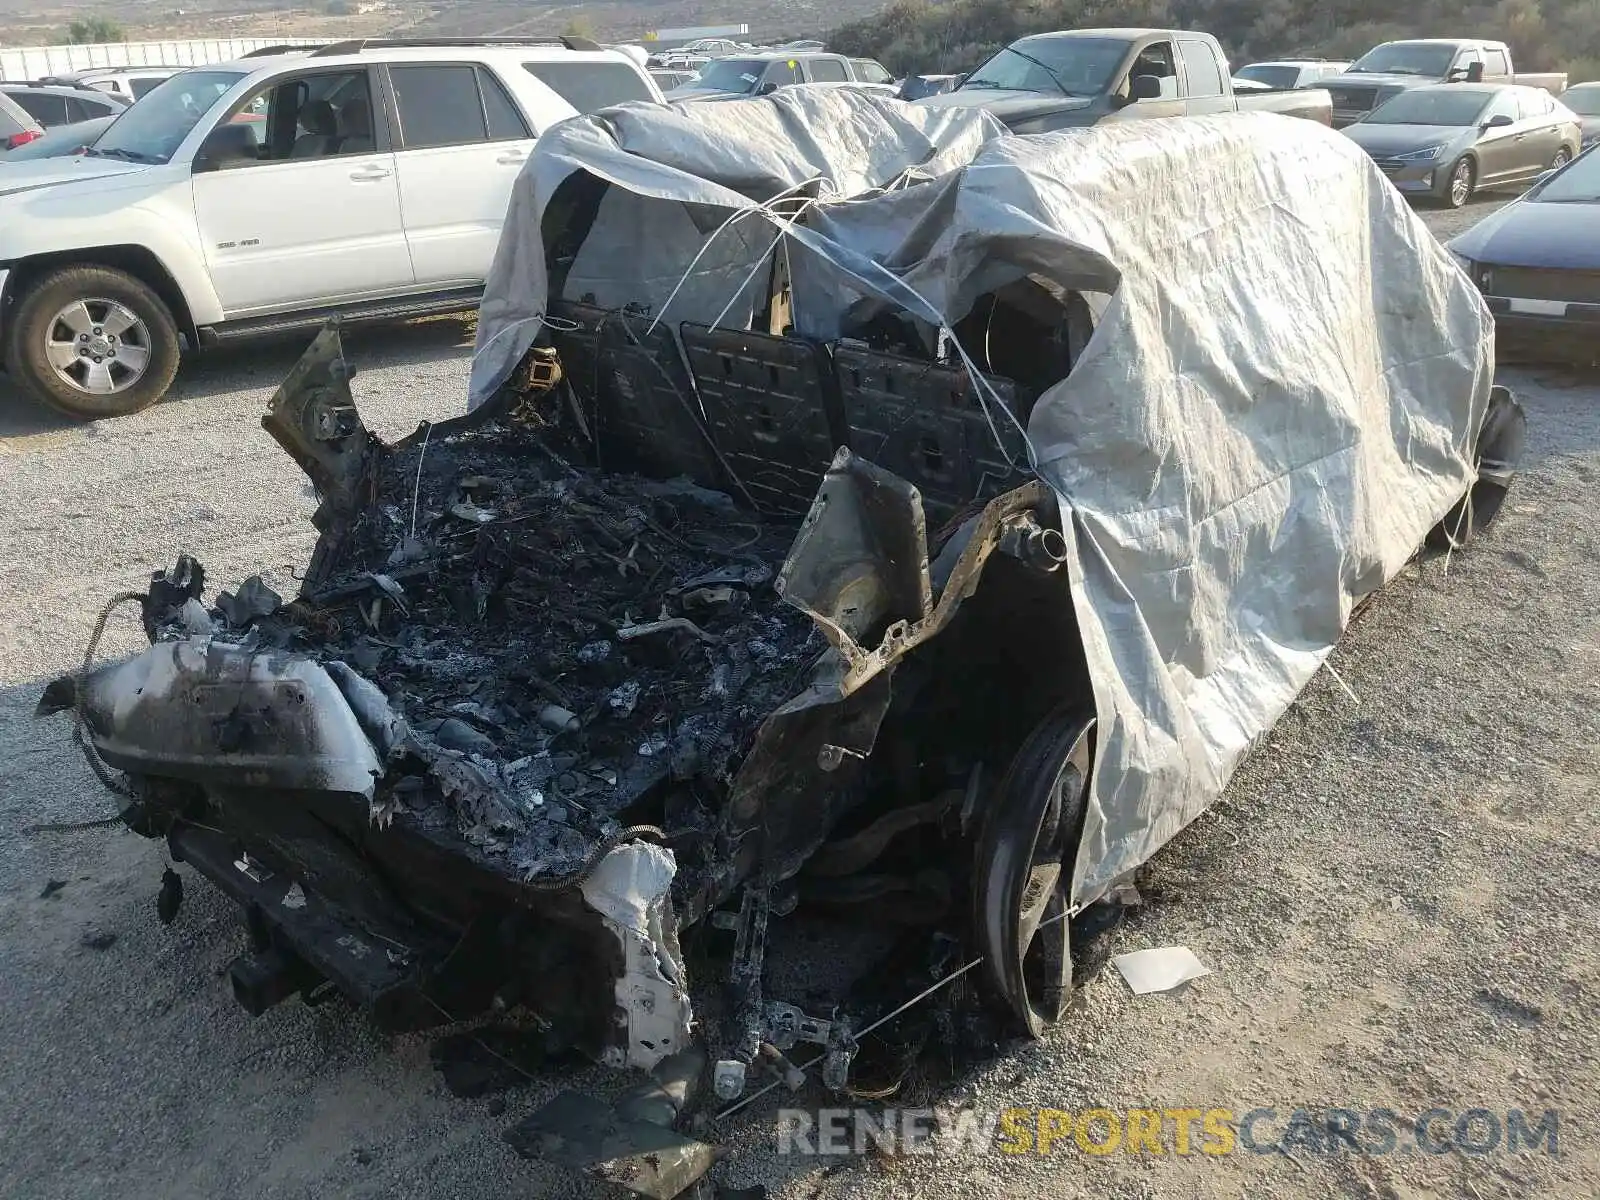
point(1280, 398)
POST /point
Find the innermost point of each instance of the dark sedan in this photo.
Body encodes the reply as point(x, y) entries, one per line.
point(1450, 140)
point(1537, 262)
point(1584, 100)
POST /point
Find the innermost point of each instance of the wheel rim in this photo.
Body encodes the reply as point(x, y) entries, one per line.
point(1561, 160)
point(1460, 184)
point(1024, 890)
point(98, 346)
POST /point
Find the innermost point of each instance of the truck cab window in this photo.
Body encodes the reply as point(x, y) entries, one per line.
point(1155, 59)
point(1200, 66)
point(782, 74)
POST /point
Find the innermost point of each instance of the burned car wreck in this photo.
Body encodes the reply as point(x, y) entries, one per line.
point(887, 526)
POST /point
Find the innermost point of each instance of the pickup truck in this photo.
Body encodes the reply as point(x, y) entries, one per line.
point(1085, 76)
point(1394, 67)
point(367, 180)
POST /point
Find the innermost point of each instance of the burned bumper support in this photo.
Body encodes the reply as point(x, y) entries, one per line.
point(299, 941)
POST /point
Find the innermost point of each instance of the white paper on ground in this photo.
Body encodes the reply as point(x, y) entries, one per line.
point(1159, 970)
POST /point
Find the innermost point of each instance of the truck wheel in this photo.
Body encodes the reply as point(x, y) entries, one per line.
point(92, 342)
point(1457, 188)
point(1022, 883)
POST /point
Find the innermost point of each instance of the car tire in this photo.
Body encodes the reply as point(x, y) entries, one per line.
point(1032, 824)
point(92, 342)
point(1459, 183)
point(1562, 158)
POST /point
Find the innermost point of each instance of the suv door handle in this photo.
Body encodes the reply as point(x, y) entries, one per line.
point(512, 158)
point(370, 174)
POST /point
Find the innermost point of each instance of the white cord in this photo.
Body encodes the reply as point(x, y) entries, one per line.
point(736, 215)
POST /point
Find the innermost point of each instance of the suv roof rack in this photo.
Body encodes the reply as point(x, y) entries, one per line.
point(357, 45)
point(269, 51)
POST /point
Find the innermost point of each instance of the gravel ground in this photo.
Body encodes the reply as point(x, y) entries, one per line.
point(1396, 896)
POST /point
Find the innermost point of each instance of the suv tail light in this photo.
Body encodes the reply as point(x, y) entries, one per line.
point(23, 138)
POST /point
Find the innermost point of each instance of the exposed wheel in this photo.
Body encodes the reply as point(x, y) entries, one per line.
point(92, 342)
point(1501, 440)
point(1023, 872)
point(1562, 158)
point(1458, 186)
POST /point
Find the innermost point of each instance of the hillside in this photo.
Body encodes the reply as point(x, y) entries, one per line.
point(38, 22)
point(1545, 35)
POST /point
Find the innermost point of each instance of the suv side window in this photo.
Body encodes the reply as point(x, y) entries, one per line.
point(85, 110)
point(827, 70)
point(44, 108)
point(1200, 65)
point(144, 85)
point(505, 119)
point(439, 106)
point(590, 86)
point(324, 114)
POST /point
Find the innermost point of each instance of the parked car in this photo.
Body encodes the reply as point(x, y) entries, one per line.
point(1085, 76)
point(1584, 100)
point(53, 105)
point(263, 195)
point(1282, 74)
point(1393, 67)
point(17, 126)
point(1537, 262)
point(666, 79)
point(1449, 140)
point(130, 83)
point(62, 140)
point(765, 72)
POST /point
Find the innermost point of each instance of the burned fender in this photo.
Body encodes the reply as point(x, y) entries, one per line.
point(859, 568)
point(222, 715)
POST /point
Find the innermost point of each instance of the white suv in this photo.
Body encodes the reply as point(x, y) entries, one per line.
point(365, 179)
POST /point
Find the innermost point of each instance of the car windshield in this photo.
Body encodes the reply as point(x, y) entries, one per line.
point(1578, 184)
point(1445, 106)
point(732, 74)
point(1585, 101)
point(1075, 66)
point(152, 130)
point(1406, 58)
point(1277, 77)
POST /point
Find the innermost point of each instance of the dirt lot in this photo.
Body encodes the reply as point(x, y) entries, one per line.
point(1396, 896)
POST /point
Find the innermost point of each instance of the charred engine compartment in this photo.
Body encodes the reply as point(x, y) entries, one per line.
point(659, 634)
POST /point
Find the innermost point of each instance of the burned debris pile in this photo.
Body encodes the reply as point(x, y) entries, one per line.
point(542, 654)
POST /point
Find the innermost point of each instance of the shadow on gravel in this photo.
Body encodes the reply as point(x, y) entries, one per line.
point(412, 343)
point(265, 363)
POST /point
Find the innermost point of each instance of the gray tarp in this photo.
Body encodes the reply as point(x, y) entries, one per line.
point(1279, 401)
